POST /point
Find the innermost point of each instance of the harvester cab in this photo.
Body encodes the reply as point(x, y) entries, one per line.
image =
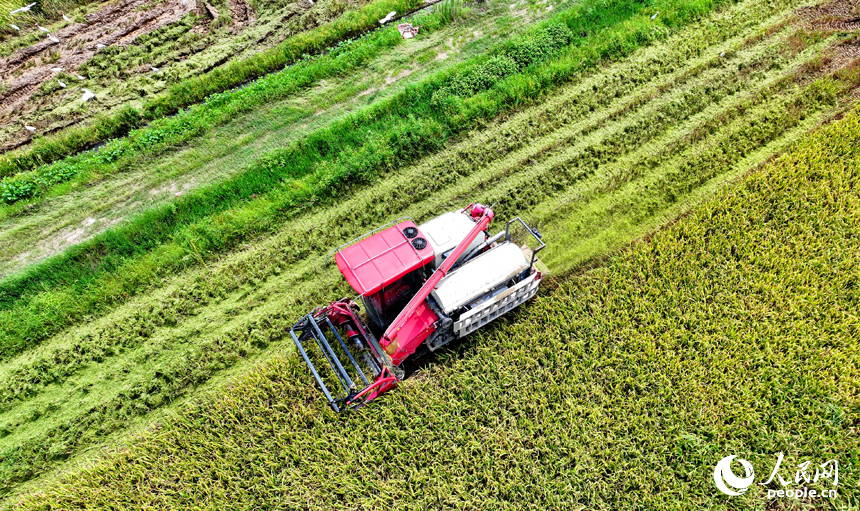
point(421, 287)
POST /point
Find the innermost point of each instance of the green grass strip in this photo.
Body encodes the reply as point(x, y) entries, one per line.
point(109, 268)
point(731, 332)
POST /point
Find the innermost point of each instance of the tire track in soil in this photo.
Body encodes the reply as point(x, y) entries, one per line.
point(240, 12)
point(836, 15)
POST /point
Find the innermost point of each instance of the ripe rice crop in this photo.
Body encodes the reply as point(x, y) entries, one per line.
point(619, 387)
point(593, 170)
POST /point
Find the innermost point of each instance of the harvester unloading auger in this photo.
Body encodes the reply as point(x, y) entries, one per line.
point(422, 287)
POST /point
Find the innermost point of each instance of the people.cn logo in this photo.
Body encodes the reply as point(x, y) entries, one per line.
point(726, 480)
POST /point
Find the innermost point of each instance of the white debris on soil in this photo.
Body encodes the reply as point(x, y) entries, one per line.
point(407, 31)
point(70, 45)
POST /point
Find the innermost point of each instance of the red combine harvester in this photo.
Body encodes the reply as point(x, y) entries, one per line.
point(422, 287)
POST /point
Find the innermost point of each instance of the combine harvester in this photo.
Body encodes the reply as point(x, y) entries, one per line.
point(421, 287)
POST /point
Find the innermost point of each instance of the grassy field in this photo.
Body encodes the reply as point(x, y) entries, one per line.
point(595, 160)
point(733, 331)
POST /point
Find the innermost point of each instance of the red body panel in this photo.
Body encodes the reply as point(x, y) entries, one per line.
point(417, 327)
point(381, 259)
point(399, 344)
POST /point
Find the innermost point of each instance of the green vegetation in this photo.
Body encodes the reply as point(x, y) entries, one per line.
point(166, 133)
point(595, 156)
point(358, 149)
point(50, 10)
point(731, 332)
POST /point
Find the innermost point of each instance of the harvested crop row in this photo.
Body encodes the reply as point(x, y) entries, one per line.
point(714, 336)
point(301, 248)
point(464, 160)
point(120, 262)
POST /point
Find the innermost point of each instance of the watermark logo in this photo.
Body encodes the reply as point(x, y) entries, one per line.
point(731, 484)
point(726, 480)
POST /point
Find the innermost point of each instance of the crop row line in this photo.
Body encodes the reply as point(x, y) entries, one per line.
point(194, 298)
point(113, 254)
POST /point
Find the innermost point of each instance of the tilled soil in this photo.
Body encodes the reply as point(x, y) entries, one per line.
point(116, 24)
point(240, 12)
point(835, 15)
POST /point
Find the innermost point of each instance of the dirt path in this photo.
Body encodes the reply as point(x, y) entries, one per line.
point(115, 25)
point(240, 12)
point(836, 15)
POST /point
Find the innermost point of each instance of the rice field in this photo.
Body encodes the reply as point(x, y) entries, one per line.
point(597, 160)
point(619, 387)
